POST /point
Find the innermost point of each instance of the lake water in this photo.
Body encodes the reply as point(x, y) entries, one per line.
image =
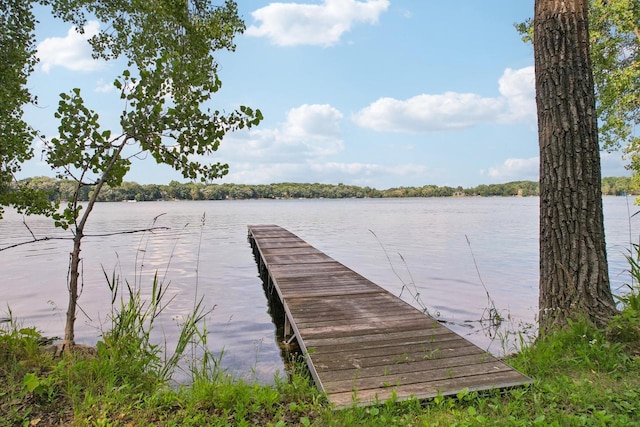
point(446, 249)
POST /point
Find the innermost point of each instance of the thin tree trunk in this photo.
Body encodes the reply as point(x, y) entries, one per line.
point(74, 276)
point(574, 278)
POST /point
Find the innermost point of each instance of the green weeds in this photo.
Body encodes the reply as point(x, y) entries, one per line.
point(581, 377)
point(28, 389)
point(625, 327)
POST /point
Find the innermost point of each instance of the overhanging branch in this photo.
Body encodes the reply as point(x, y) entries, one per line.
point(115, 233)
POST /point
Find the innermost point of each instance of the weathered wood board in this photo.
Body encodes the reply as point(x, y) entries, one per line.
point(362, 344)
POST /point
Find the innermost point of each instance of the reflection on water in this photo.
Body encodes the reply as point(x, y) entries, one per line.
point(419, 244)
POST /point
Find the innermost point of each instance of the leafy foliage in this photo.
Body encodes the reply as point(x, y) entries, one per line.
point(625, 327)
point(169, 46)
point(166, 93)
point(615, 51)
point(64, 190)
point(17, 61)
point(614, 27)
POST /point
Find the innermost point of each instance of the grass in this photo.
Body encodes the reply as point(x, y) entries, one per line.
point(582, 377)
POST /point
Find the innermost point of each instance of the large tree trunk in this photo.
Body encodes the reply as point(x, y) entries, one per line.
point(574, 278)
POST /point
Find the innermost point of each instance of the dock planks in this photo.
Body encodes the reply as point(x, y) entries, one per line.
point(362, 344)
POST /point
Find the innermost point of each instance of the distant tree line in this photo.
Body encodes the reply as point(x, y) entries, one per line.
point(58, 189)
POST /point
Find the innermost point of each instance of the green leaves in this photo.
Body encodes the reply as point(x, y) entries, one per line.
point(68, 216)
point(614, 27)
point(42, 388)
point(82, 150)
point(254, 116)
point(17, 60)
point(169, 46)
point(171, 76)
point(615, 51)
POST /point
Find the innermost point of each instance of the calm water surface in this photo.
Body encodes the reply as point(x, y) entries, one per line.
point(444, 249)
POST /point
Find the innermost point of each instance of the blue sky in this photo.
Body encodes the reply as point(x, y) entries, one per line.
point(378, 93)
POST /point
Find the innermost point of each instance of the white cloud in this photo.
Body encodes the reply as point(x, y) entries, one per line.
point(103, 87)
point(425, 113)
point(303, 148)
point(366, 173)
point(367, 169)
point(262, 173)
point(72, 52)
point(452, 110)
point(293, 24)
point(518, 88)
point(309, 132)
point(363, 174)
point(516, 170)
point(346, 168)
point(529, 169)
point(317, 121)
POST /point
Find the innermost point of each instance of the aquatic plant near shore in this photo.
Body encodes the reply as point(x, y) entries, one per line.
point(491, 319)
point(135, 312)
point(631, 298)
point(625, 326)
point(409, 287)
point(132, 322)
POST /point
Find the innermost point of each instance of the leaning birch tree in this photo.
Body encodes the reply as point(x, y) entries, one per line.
point(165, 91)
point(574, 278)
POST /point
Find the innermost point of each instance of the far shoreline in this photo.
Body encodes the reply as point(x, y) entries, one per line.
point(62, 190)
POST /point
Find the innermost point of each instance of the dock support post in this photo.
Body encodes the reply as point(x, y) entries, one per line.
point(287, 331)
point(287, 327)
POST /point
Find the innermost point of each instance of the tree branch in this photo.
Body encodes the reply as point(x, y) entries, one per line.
point(152, 229)
point(24, 221)
point(41, 239)
point(44, 239)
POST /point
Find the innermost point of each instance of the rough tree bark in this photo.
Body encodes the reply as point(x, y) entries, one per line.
point(574, 278)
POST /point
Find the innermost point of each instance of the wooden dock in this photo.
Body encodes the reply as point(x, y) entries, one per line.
point(362, 344)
